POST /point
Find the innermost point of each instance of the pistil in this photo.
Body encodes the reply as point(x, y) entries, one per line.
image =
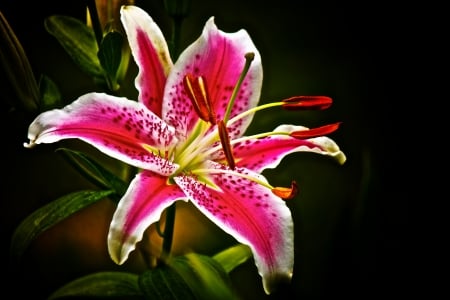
point(226, 145)
point(248, 60)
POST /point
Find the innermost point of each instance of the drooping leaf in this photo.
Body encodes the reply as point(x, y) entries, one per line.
point(15, 64)
point(95, 172)
point(110, 56)
point(232, 257)
point(205, 276)
point(49, 215)
point(78, 40)
point(101, 285)
point(50, 95)
point(164, 283)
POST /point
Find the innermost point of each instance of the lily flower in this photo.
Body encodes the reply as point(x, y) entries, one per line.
point(185, 134)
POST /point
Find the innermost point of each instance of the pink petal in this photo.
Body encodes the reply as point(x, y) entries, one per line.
point(151, 54)
point(260, 154)
point(147, 196)
point(252, 215)
point(116, 126)
point(219, 58)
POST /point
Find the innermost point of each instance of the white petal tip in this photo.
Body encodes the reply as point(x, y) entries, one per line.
point(117, 259)
point(31, 144)
point(276, 282)
point(117, 251)
point(340, 157)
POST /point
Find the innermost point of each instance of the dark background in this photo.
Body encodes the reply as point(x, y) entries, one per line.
point(350, 220)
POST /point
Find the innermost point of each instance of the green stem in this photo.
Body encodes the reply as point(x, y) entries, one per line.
point(176, 34)
point(168, 231)
point(95, 21)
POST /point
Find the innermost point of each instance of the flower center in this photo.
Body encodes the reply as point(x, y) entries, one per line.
point(195, 149)
point(211, 135)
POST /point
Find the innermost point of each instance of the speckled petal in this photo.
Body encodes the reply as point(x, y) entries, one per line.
point(151, 54)
point(121, 128)
point(146, 198)
point(251, 214)
point(263, 153)
point(219, 58)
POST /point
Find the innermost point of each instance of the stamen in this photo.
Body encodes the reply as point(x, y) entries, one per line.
point(315, 132)
point(197, 93)
point(151, 149)
point(286, 193)
point(293, 103)
point(248, 60)
point(226, 145)
point(193, 147)
point(307, 102)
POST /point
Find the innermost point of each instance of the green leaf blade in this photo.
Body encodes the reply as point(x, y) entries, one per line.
point(110, 56)
point(234, 256)
point(50, 94)
point(164, 283)
point(17, 68)
point(48, 216)
point(78, 40)
point(101, 285)
point(94, 171)
point(205, 277)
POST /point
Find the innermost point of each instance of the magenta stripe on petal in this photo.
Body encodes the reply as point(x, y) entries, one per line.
point(251, 214)
point(119, 127)
point(137, 210)
point(151, 78)
point(151, 54)
point(219, 58)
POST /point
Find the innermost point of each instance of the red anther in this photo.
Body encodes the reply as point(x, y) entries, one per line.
point(315, 132)
point(226, 145)
point(286, 193)
point(196, 90)
point(307, 102)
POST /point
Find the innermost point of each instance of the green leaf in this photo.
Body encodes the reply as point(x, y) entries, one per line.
point(164, 283)
point(78, 40)
point(50, 95)
point(124, 63)
point(14, 63)
point(102, 284)
point(205, 276)
point(232, 257)
point(94, 172)
point(49, 215)
point(110, 56)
